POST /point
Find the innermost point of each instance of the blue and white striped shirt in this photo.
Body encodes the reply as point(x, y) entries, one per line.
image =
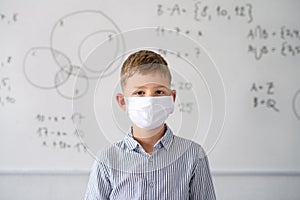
point(177, 169)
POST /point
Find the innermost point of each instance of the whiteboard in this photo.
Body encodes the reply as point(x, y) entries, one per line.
point(235, 67)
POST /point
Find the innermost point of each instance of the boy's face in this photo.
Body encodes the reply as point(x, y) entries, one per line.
point(138, 85)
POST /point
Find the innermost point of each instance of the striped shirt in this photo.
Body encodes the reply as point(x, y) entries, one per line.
point(177, 169)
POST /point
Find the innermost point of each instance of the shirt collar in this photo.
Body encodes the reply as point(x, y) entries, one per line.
point(165, 141)
point(130, 142)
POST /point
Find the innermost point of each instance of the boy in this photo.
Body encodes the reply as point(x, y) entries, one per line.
point(150, 162)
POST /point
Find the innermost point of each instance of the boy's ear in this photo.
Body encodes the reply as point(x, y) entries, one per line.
point(173, 93)
point(121, 101)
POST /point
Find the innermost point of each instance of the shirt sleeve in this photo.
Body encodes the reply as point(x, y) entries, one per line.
point(99, 187)
point(201, 185)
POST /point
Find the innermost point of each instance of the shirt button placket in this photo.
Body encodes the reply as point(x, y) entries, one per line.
point(151, 178)
point(150, 164)
point(151, 185)
point(150, 160)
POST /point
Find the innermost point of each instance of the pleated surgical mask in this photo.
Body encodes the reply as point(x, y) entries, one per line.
point(149, 112)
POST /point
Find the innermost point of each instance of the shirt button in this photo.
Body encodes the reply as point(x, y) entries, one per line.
point(151, 185)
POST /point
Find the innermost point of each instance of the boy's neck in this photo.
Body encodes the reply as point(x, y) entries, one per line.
point(148, 138)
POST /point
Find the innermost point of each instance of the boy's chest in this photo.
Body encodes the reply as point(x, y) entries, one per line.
point(170, 182)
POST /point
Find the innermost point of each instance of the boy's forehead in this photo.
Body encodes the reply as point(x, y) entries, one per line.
point(139, 80)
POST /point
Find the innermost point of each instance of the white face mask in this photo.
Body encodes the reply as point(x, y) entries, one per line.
point(149, 112)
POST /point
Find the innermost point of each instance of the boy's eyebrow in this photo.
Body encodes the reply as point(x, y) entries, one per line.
point(160, 86)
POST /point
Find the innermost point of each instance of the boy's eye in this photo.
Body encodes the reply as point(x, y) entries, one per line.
point(139, 93)
point(159, 92)
point(154, 93)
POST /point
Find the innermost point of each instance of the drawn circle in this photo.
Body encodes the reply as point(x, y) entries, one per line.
point(222, 89)
point(70, 90)
point(296, 104)
point(39, 68)
point(204, 68)
point(94, 67)
point(70, 39)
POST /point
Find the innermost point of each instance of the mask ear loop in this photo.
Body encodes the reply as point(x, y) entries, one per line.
point(126, 103)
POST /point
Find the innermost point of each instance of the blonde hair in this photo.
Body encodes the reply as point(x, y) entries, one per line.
point(144, 62)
